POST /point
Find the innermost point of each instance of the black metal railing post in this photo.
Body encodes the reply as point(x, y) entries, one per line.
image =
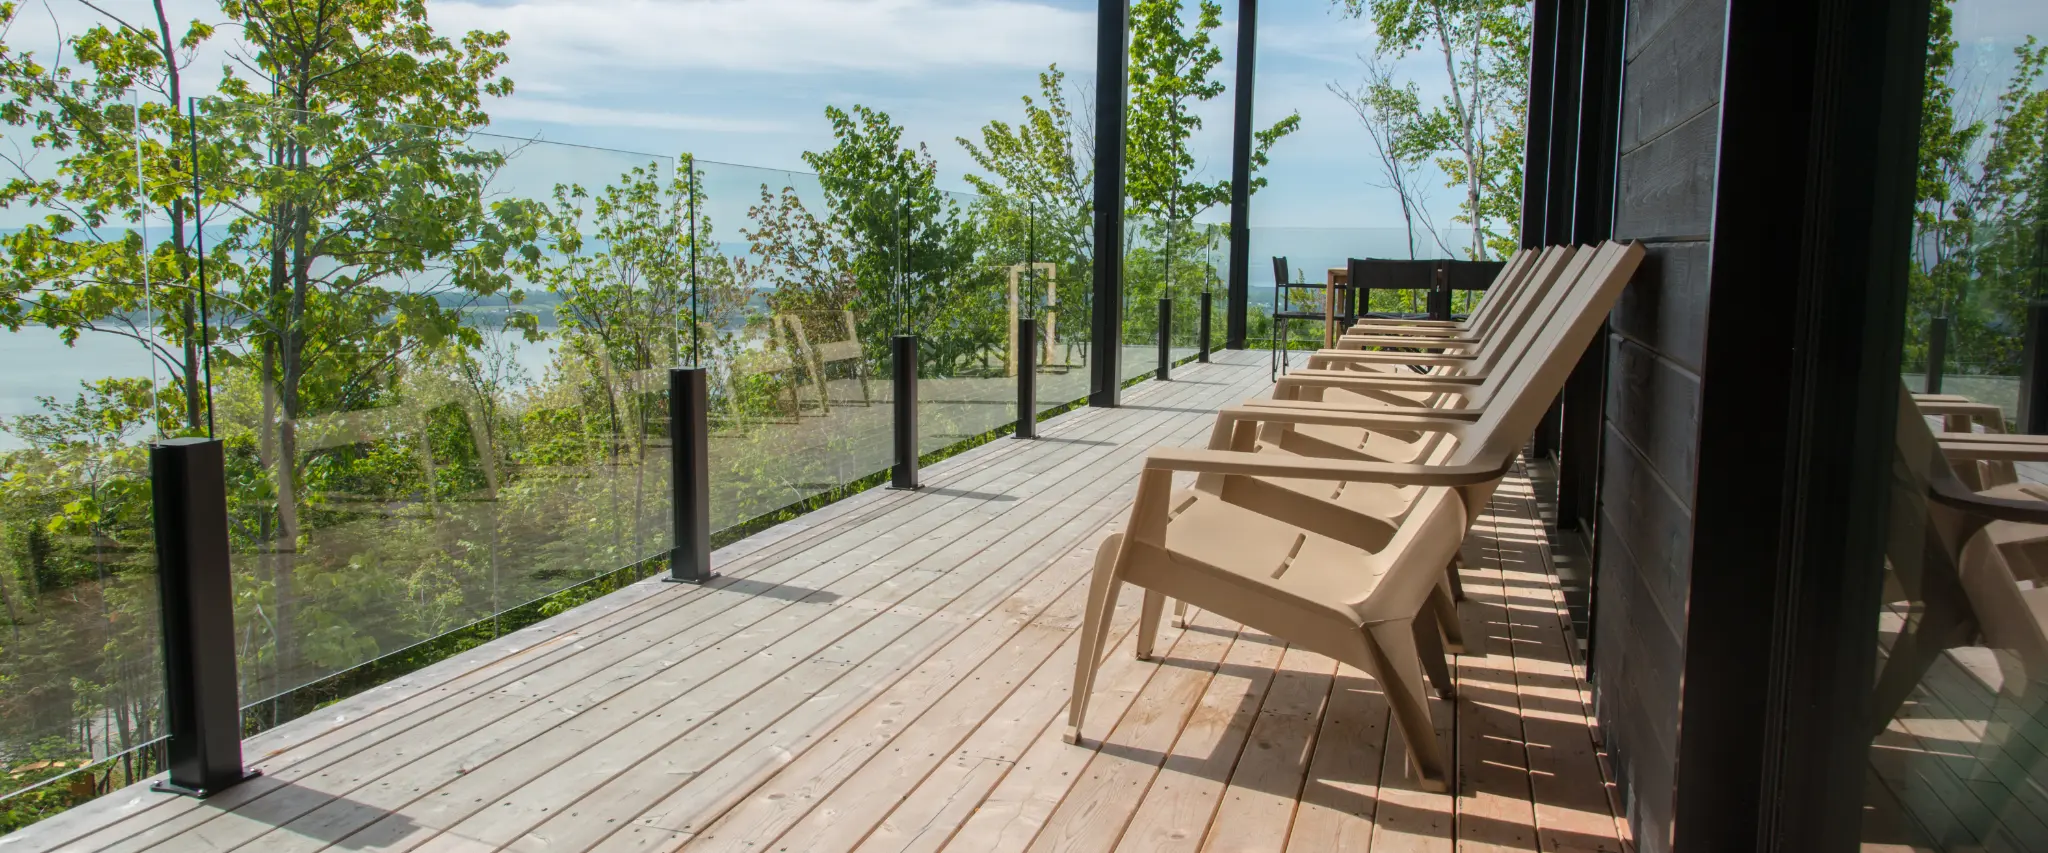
point(903, 349)
point(689, 431)
point(2033, 414)
point(202, 707)
point(1165, 370)
point(1937, 352)
point(1440, 294)
point(1027, 378)
point(1202, 330)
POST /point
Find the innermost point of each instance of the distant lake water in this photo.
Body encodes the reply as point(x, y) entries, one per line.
point(35, 362)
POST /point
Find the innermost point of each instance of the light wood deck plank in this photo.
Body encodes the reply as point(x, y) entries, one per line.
point(1257, 810)
point(1342, 792)
point(889, 674)
point(1175, 814)
point(1098, 804)
point(890, 743)
point(893, 742)
point(1494, 799)
point(1569, 794)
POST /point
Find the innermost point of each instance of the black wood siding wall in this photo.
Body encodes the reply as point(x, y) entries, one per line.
point(1669, 133)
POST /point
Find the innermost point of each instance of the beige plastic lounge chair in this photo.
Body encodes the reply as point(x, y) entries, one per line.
point(1477, 385)
point(825, 353)
point(1503, 290)
point(1497, 339)
point(1367, 508)
point(1364, 606)
point(1341, 439)
point(1962, 556)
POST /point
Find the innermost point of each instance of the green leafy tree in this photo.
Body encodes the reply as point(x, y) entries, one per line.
point(1172, 63)
point(1035, 205)
point(1982, 202)
point(1172, 66)
point(115, 122)
point(910, 245)
point(352, 204)
point(1477, 131)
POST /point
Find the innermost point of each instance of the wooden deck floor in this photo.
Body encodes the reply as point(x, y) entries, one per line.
point(885, 674)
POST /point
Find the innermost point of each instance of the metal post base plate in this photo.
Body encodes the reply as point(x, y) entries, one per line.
point(166, 786)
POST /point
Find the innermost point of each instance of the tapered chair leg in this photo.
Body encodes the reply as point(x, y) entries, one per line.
point(1399, 671)
point(1940, 627)
point(1446, 609)
point(1102, 590)
point(1148, 624)
point(1457, 582)
point(1180, 613)
point(1429, 646)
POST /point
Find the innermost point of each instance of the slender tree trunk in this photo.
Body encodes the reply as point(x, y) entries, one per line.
point(1460, 109)
point(180, 209)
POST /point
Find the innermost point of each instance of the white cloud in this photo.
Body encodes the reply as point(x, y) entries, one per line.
point(779, 36)
point(556, 112)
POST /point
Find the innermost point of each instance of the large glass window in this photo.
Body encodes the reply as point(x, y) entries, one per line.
point(1959, 724)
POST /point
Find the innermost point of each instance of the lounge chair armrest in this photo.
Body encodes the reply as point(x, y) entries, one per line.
point(1434, 359)
point(1417, 322)
point(1316, 414)
point(1201, 461)
point(1947, 407)
point(1994, 451)
point(1458, 384)
point(1405, 331)
point(1949, 492)
point(1404, 341)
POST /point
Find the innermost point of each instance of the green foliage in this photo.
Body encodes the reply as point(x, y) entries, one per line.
point(399, 489)
point(1171, 64)
point(1476, 132)
point(911, 248)
point(1982, 210)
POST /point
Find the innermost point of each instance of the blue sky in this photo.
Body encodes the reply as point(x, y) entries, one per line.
point(746, 81)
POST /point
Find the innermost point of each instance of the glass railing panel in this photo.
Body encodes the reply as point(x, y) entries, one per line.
point(966, 325)
point(1059, 248)
point(1146, 267)
point(440, 372)
point(92, 331)
point(798, 311)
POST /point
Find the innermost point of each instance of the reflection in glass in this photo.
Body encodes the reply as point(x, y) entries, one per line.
point(96, 289)
point(1959, 755)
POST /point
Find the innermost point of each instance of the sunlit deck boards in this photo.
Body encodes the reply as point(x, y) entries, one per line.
point(884, 675)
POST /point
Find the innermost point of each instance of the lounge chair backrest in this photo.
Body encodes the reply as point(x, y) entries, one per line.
point(1533, 303)
point(831, 351)
point(1500, 293)
point(1551, 283)
point(1503, 288)
point(1519, 283)
point(1535, 380)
